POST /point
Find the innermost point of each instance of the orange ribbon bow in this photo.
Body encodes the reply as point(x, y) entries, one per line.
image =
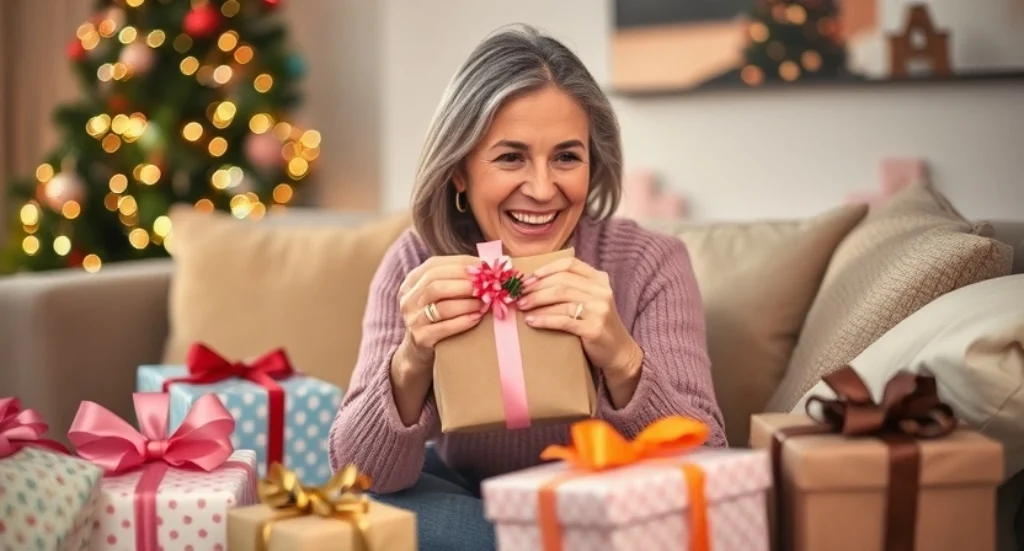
point(597, 446)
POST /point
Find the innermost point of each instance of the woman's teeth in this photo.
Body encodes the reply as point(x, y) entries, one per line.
point(533, 219)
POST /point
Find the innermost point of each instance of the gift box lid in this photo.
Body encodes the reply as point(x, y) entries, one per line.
point(834, 462)
point(625, 494)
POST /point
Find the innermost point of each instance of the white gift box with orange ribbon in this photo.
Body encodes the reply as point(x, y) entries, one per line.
point(696, 500)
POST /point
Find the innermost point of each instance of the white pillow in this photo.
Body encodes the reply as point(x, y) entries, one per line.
point(972, 340)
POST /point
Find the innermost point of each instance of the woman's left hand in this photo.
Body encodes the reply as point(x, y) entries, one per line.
point(569, 295)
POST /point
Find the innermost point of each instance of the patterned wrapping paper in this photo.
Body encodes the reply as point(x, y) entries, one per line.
point(191, 506)
point(310, 406)
point(642, 506)
point(47, 501)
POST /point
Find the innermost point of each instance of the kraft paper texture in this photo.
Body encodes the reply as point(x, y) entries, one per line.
point(559, 384)
point(834, 489)
point(390, 529)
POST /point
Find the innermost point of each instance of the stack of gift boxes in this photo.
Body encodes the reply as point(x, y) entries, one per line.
point(898, 474)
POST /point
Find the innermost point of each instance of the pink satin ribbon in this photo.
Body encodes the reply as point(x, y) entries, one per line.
point(201, 442)
point(20, 428)
point(510, 358)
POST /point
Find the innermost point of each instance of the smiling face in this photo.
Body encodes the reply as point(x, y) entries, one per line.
point(528, 178)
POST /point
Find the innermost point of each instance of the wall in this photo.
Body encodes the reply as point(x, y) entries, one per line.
point(743, 154)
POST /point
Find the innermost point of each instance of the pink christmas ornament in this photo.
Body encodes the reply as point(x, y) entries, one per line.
point(63, 187)
point(138, 56)
point(263, 150)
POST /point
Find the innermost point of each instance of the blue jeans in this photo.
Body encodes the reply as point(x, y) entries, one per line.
point(449, 511)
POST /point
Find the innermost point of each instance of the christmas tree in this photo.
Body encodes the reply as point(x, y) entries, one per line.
point(182, 102)
point(792, 40)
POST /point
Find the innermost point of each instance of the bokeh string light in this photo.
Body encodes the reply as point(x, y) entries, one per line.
point(792, 40)
point(189, 109)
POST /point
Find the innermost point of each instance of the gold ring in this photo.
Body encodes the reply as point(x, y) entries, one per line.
point(579, 311)
point(431, 312)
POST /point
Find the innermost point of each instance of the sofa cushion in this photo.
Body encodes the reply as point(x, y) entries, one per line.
point(972, 340)
point(900, 258)
point(246, 287)
point(757, 281)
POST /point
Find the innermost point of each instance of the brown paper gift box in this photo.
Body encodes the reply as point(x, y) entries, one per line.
point(559, 384)
point(834, 489)
point(389, 529)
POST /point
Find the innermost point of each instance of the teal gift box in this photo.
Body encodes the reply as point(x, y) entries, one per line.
point(307, 407)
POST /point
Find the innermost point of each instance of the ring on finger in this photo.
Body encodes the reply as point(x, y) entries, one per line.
point(430, 311)
point(579, 311)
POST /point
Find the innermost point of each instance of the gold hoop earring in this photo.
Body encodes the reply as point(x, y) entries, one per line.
point(458, 202)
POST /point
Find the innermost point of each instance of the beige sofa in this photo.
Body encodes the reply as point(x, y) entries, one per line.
point(70, 336)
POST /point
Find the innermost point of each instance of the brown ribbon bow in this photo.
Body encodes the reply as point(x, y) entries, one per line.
point(909, 410)
point(343, 497)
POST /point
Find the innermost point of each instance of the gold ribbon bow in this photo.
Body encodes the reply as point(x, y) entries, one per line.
point(343, 498)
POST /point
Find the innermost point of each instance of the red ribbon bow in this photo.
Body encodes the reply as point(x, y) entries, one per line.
point(490, 284)
point(202, 441)
point(206, 367)
point(20, 428)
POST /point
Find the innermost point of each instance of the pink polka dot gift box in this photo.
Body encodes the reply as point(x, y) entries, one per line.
point(48, 499)
point(661, 491)
point(164, 491)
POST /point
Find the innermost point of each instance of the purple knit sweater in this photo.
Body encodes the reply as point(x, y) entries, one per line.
point(658, 301)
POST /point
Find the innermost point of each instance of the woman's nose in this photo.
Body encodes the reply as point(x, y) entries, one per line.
point(540, 186)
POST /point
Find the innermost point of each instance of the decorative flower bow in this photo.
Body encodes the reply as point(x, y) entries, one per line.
point(20, 428)
point(206, 366)
point(910, 405)
point(202, 440)
point(343, 497)
point(497, 284)
point(597, 446)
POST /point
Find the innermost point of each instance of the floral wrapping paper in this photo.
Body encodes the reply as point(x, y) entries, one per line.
point(191, 506)
point(309, 408)
point(47, 501)
point(637, 507)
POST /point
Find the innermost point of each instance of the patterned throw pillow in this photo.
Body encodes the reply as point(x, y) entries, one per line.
point(902, 256)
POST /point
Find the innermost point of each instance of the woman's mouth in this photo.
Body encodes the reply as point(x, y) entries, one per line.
point(532, 223)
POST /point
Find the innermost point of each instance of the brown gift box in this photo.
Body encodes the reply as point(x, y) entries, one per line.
point(559, 385)
point(834, 489)
point(389, 529)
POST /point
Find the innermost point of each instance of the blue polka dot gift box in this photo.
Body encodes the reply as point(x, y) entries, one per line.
point(281, 414)
point(48, 499)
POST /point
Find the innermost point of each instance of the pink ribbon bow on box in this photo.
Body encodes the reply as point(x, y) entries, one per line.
point(20, 428)
point(202, 441)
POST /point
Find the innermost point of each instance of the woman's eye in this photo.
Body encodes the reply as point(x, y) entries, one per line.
point(567, 157)
point(509, 158)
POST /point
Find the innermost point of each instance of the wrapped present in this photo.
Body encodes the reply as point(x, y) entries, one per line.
point(160, 491)
point(657, 492)
point(281, 414)
point(48, 498)
point(498, 374)
point(336, 517)
point(899, 474)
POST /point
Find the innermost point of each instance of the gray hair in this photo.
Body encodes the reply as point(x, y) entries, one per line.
point(511, 61)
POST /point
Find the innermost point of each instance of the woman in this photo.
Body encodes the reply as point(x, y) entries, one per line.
point(524, 148)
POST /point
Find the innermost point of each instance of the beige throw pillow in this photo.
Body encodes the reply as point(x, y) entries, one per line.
point(972, 340)
point(901, 257)
point(757, 281)
point(245, 288)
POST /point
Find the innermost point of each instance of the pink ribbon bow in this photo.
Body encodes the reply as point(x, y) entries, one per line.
point(489, 279)
point(20, 428)
point(203, 440)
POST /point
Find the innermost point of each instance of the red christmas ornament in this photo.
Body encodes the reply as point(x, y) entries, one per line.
point(75, 258)
point(118, 103)
point(201, 21)
point(75, 50)
point(271, 4)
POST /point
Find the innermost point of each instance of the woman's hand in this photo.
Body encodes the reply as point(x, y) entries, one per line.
point(568, 295)
point(436, 301)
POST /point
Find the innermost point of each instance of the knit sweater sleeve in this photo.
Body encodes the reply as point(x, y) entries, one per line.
point(675, 377)
point(367, 430)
